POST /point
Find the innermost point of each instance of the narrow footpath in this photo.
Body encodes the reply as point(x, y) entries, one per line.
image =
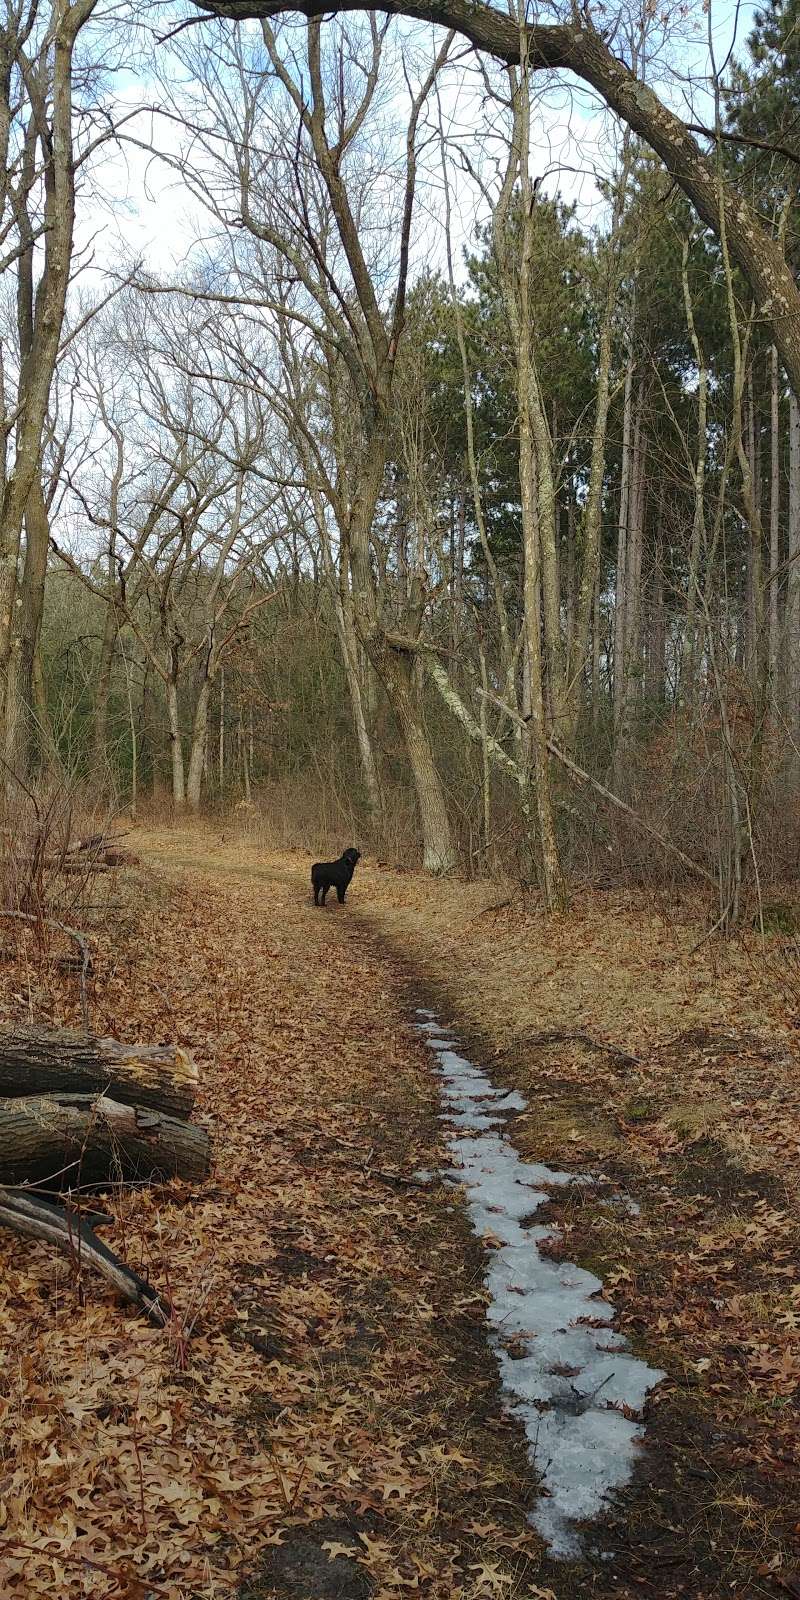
point(326, 1418)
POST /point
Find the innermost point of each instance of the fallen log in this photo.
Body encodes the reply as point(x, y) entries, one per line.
point(102, 861)
point(37, 1060)
point(35, 1218)
point(81, 868)
point(98, 853)
point(84, 1138)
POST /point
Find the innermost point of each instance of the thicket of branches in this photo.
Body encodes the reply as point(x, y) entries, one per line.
point(480, 544)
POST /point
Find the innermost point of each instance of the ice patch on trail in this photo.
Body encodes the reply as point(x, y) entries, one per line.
point(571, 1380)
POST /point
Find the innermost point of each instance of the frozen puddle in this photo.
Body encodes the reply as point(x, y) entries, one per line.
point(573, 1373)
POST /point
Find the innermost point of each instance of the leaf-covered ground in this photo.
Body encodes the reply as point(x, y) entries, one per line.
point(670, 1063)
point(332, 1425)
point(323, 1420)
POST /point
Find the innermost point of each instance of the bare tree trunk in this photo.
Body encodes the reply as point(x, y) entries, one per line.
point(755, 643)
point(774, 513)
point(40, 313)
point(588, 593)
point(176, 743)
point(221, 756)
point(596, 641)
point(395, 672)
point(437, 847)
point(793, 585)
point(633, 580)
point(134, 737)
point(493, 576)
point(656, 634)
point(246, 759)
point(486, 782)
point(553, 884)
point(620, 598)
point(102, 693)
point(194, 783)
point(691, 641)
point(348, 642)
point(547, 518)
point(459, 534)
point(33, 742)
point(41, 706)
point(569, 584)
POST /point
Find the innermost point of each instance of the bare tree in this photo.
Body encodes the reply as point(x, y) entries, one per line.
point(185, 527)
point(320, 234)
point(37, 216)
point(577, 46)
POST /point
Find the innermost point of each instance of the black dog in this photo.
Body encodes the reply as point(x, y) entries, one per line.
point(336, 875)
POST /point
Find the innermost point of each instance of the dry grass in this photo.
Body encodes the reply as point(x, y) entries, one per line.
point(702, 1128)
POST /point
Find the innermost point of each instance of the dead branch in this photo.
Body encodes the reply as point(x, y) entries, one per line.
point(33, 1217)
point(666, 844)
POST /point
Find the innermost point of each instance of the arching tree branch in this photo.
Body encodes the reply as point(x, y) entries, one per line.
point(579, 48)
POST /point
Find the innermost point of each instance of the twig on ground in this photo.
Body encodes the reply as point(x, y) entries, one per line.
point(564, 1035)
point(397, 1177)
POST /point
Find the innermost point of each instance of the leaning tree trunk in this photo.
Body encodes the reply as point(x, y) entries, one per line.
point(85, 1138)
point(348, 644)
point(438, 854)
point(36, 1060)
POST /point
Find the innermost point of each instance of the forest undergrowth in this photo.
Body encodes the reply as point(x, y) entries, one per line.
point(323, 1416)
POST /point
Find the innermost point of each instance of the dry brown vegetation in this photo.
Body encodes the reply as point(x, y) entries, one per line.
point(324, 1409)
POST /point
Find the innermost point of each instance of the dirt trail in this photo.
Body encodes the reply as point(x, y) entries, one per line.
point(335, 1430)
point(333, 1427)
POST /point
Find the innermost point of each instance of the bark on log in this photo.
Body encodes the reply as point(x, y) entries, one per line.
point(90, 1139)
point(36, 1060)
point(36, 1218)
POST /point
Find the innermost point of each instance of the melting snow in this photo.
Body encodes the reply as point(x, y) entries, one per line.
point(571, 1378)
